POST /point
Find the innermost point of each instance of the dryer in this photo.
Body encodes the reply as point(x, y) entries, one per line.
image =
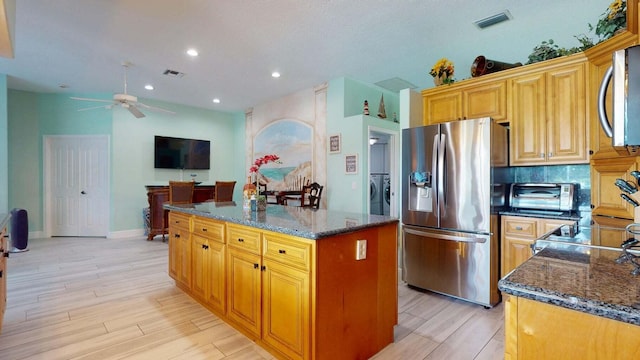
point(376, 187)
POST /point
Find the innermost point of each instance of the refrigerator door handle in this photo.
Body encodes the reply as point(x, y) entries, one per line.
point(470, 239)
point(441, 172)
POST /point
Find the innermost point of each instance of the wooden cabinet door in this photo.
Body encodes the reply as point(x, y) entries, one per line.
point(567, 115)
point(184, 253)
point(215, 293)
point(605, 196)
point(442, 106)
point(199, 259)
point(244, 290)
point(286, 309)
point(3, 274)
point(528, 121)
point(176, 236)
point(516, 251)
point(486, 100)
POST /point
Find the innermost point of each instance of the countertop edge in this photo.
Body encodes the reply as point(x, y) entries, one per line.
point(283, 230)
point(620, 313)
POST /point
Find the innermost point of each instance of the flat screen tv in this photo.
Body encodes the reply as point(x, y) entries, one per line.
point(179, 153)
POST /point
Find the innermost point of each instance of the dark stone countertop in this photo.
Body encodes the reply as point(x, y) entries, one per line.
point(292, 220)
point(579, 277)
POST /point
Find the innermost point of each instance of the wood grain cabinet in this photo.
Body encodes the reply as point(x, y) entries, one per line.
point(180, 248)
point(208, 263)
point(535, 330)
point(470, 100)
point(288, 293)
point(548, 115)
point(605, 196)
point(518, 234)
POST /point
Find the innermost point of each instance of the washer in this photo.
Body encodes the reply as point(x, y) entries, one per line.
point(375, 194)
point(386, 195)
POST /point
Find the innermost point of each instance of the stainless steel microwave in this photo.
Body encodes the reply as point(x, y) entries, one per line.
point(624, 75)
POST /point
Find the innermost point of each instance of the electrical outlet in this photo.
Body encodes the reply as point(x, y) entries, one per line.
point(361, 249)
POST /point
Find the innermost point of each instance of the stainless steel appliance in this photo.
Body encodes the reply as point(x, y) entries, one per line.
point(624, 74)
point(449, 233)
point(547, 198)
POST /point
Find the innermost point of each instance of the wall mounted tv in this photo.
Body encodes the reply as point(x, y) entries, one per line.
point(178, 153)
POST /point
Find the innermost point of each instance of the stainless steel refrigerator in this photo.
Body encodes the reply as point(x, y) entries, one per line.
point(450, 239)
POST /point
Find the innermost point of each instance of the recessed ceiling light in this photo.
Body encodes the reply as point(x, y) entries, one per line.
point(216, 101)
point(192, 52)
point(148, 87)
point(275, 74)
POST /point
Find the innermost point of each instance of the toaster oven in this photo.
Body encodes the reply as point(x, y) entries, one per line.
point(551, 197)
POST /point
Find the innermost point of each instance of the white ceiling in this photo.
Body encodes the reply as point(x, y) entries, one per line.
point(82, 43)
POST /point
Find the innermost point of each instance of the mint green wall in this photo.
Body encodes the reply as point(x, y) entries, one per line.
point(345, 99)
point(4, 147)
point(33, 115)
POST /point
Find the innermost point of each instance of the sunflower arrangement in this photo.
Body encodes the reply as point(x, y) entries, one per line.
point(443, 69)
point(612, 20)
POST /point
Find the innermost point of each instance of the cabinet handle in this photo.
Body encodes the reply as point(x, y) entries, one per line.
point(240, 240)
point(176, 235)
point(281, 251)
point(264, 268)
point(255, 266)
point(204, 229)
point(550, 155)
point(542, 155)
point(206, 247)
point(1, 273)
point(518, 227)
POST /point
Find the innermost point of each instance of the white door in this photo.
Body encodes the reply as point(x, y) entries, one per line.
point(76, 185)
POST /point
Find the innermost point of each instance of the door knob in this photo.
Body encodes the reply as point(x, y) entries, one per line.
point(83, 192)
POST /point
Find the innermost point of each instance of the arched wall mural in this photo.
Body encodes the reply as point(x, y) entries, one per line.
point(291, 140)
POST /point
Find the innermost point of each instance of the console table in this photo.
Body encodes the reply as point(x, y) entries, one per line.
point(157, 195)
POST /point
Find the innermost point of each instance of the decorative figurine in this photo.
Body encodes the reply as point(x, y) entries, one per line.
point(381, 113)
point(366, 107)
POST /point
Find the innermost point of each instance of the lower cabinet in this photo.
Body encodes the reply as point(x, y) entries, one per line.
point(518, 234)
point(605, 195)
point(536, 330)
point(291, 294)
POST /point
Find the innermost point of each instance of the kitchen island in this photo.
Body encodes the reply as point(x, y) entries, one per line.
point(572, 301)
point(302, 283)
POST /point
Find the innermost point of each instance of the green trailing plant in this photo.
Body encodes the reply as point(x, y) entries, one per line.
point(612, 20)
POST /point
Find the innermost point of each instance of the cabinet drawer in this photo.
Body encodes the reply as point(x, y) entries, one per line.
point(179, 220)
point(292, 252)
point(520, 227)
point(210, 229)
point(244, 238)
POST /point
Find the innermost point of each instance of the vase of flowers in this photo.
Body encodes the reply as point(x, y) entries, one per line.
point(442, 72)
point(261, 200)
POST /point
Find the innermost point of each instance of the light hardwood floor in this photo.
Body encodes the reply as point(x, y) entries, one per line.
point(95, 298)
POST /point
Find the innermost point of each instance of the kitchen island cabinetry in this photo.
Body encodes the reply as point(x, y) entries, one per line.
point(293, 283)
point(470, 100)
point(548, 115)
point(208, 262)
point(180, 249)
point(518, 234)
point(572, 302)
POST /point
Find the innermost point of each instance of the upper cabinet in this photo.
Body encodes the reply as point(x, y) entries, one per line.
point(472, 99)
point(548, 114)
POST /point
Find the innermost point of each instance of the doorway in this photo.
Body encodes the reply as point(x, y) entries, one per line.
point(76, 185)
point(382, 172)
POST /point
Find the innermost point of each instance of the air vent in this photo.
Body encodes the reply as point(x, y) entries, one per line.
point(173, 73)
point(493, 19)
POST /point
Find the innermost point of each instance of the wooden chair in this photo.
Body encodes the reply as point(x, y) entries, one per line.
point(311, 195)
point(224, 191)
point(181, 192)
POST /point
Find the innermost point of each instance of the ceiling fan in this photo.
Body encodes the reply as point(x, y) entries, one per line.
point(124, 100)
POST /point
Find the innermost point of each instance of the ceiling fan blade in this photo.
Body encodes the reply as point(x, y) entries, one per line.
point(97, 107)
point(134, 110)
point(88, 99)
point(155, 108)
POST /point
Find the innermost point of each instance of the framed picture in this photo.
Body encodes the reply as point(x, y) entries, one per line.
point(351, 164)
point(335, 143)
